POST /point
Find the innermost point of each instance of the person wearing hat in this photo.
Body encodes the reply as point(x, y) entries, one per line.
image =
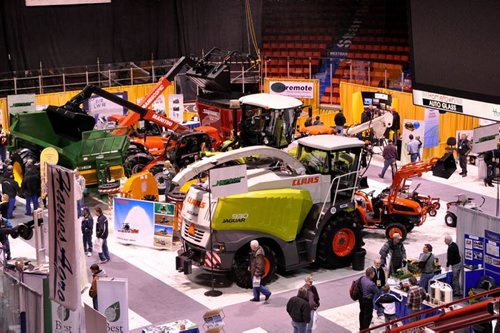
point(313, 297)
point(426, 264)
point(396, 249)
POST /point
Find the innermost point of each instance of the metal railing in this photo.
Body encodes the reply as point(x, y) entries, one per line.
point(47, 80)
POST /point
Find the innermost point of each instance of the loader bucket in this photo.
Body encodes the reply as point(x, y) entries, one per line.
point(69, 124)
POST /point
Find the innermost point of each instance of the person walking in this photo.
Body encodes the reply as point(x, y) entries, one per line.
point(10, 187)
point(102, 235)
point(454, 260)
point(396, 124)
point(426, 264)
point(87, 228)
point(4, 238)
point(31, 186)
point(379, 280)
point(299, 310)
point(387, 301)
point(368, 292)
point(420, 144)
point(390, 154)
point(412, 148)
point(313, 298)
point(339, 121)
point(97, 273)
point(80, 190)
point(257, 271)
point(416, 296)
point(463, 148)
point(396, 249)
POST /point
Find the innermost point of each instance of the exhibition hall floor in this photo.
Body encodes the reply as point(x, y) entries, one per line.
point(159, 294)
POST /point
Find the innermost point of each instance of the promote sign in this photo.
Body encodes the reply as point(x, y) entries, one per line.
point(492, 252)
point(113, 303)
point(21, 103)
point(431, 126)
point(158, 105)
point(98, 106)
point(64, 246)
point(474, 250)
point(228, 181)
point(295, 89)
point(176, 107)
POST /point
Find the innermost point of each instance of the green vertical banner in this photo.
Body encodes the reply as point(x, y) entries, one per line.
point(47, 307)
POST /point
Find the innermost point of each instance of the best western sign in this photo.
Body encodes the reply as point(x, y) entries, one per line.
point(293, 89)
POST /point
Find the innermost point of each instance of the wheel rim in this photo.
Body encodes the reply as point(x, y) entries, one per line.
point(17, 171)
point(267, 266)
point(394, 230)
point(343, 242)
point(449, 219)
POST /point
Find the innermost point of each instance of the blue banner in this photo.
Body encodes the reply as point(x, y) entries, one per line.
point(431, 128)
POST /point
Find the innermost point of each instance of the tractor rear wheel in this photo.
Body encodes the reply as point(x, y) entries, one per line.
point(339, 239)
point(393, 228)
point(136, 163)
point(19, 160)
point(241, 274)
point(451, 220)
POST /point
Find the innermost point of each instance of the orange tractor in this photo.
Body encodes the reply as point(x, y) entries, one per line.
point(394, 210)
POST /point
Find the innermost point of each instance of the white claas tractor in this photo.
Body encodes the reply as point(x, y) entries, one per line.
point(300, 208)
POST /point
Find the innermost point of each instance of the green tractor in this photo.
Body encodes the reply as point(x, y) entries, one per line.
point(300, 208)
point(98, 154)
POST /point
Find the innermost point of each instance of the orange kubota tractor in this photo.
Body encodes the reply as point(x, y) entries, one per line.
point(392, 209)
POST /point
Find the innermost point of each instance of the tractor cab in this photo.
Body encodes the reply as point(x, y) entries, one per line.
point(337, 156)
point(187, 148)
point(268, 119)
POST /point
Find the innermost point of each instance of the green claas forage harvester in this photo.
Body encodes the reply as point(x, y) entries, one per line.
point(98, 154)
point(300, 208)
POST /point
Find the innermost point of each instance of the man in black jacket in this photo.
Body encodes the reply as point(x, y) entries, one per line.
point(10, 187)
point(31, 187)
point(102, 234)
point(299, 310)
point(454, 260)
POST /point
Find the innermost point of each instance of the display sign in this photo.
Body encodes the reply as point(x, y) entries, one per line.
point(48, 156)
point(94, 321)
point(228, 181)
point(113, 303)
point(100, 107)
point(431, 128)
point(485, 138)
point(492, 251)
point(21, 103)
point(144, 223)
point(65, 320)
point(176, 107)
point(64, 246)
point(158, 105)
point(297, 89)
point(415, 128)
point(474, 250)
point(456, 104)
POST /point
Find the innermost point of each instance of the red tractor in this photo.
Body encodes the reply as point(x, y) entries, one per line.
point(392, 209)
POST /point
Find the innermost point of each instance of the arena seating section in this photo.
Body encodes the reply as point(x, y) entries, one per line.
point(297, 35)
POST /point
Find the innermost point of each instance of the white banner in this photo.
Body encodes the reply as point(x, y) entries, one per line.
point(228, 181)
point(21, 103)
point(63, 2)
point(94, 321)
point(64, 320)
point(99, 107)
point(64, 273)
point(158, 105)
point(113, 302)
point(295, 89)
point(176, 107)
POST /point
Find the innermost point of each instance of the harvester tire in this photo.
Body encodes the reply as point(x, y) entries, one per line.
point(19, 160)
point(393, 228)
point(337, 242)
point(136, 163)
point(241, 274)
point(450, 219)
